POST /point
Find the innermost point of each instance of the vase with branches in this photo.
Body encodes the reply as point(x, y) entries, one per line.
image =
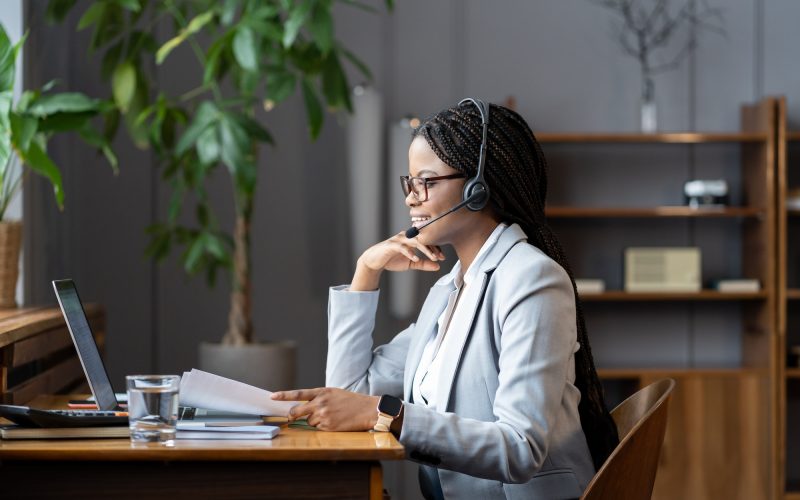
point(645, 31)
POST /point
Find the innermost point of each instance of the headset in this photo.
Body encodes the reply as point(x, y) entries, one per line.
point(476, 188)
point(476, 192)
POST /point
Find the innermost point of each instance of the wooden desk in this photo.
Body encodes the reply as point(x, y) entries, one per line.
point(297, 464)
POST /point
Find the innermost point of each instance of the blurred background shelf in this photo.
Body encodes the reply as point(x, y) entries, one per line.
point(665, 211)
point(703, 295)
point(663, 138)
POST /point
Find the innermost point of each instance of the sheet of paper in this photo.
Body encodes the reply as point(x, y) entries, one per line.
point(206, 390)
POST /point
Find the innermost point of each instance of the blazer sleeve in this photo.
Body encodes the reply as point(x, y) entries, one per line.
point(536, 319)
point(352, 363)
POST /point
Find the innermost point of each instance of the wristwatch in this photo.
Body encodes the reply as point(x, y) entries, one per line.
point(389, 408)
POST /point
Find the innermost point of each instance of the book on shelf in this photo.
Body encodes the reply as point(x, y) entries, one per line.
point(737, 285)
point(588, 286)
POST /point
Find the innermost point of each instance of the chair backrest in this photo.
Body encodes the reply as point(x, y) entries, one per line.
point(630, 471)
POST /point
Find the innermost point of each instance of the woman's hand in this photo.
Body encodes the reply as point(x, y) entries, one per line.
point(398, 253)
point(331, 409)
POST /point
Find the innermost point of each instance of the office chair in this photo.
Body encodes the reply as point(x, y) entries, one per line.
point(630, 471)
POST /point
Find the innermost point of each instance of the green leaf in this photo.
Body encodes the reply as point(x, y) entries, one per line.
point(245, 49)
point(313, 108)
point(216, 247)
point(5, 130)
point(228, 12)
point(37, 159)
point(193, 255)
point(63, 122)
point(280, 85)
point(297, 18)
point(175, 205)
point(194, 26)
point(92, 15)
point(94, 138)
point(253, 128)
point(235, 143)
point(358, 63)
point(131, 5)
point(8, 58)
point(207, 146)
point(321, 27)
point(23, 128)
point(168, 47)
point(68, 102)
point(123, 85)
point(334, 83)
point(197, 23)
point(57, 10)
point(110, 60)
point(205, 116)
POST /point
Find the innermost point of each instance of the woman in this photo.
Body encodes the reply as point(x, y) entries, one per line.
point(500, 398)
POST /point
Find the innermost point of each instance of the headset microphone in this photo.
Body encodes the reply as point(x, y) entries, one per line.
point(412, 232)
point(476, 191)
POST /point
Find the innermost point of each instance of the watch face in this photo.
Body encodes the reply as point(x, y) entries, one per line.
point(390, 405)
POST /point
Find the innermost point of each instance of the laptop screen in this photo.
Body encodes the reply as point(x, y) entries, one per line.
point(84, 342)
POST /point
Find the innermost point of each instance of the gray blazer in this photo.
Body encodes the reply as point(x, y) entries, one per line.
point(508, 426)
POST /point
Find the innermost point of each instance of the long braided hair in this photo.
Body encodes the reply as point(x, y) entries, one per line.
point(516, 172)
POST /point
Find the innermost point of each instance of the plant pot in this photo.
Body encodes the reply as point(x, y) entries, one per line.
point(268, 365)
point(10, 242)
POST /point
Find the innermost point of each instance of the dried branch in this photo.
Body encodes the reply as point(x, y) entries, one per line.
point(648, 28)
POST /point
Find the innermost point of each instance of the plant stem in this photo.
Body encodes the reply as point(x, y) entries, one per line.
point(240, 325)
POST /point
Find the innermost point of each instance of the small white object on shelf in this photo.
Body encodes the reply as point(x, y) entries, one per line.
point(738, 285)
point(588, 286)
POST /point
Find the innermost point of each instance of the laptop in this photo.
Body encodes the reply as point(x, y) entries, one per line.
point(108, 410)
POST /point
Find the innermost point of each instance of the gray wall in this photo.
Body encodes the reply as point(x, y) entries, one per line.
point(556, 58)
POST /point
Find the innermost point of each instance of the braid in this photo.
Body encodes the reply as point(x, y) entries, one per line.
point(516, 172)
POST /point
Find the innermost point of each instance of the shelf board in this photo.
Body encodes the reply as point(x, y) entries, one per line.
point(663, 138)
point(616, 373)
point(793, 293)
point(664, 211)
point(793, 211)
point(622, 296)
point(793, 373)
point(791, 136)
point(791, 495)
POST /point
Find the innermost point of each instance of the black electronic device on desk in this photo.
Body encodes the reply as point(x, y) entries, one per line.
point(32, 417)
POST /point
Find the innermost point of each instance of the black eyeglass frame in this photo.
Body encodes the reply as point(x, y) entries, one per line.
point(406, 182)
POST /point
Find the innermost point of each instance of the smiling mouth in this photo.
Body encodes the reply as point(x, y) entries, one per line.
point(419, 221)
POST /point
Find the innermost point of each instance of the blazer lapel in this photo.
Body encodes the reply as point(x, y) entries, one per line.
point(425, 327)
point(459, 331)
point(461, 325)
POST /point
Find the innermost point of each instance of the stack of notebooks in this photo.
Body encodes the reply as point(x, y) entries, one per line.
point(185, 431)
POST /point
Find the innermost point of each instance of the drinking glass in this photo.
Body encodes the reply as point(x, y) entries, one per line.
point(153, 408)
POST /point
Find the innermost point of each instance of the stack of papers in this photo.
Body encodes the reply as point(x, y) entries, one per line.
point(188, 430)
point(205, 390)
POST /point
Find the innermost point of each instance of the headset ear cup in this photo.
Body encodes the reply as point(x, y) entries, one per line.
point(473, 187)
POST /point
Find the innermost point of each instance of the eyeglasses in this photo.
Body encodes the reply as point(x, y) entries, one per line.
point(419, 185)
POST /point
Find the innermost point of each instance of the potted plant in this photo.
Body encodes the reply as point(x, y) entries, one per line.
point(25, 128)
point(252, 55)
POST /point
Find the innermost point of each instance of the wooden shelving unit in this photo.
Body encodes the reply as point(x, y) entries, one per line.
point(644, 212)
point(788, 166)
point(717, 415)
point(703, 295)
point(660, 138)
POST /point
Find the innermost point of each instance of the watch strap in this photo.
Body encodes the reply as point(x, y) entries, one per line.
point(384, 423)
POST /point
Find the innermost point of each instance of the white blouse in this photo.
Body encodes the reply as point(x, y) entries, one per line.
point(438, 347)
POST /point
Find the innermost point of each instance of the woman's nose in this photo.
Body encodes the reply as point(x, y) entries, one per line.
point(411, 199)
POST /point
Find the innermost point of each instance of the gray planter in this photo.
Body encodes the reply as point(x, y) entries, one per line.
point(268, 365)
